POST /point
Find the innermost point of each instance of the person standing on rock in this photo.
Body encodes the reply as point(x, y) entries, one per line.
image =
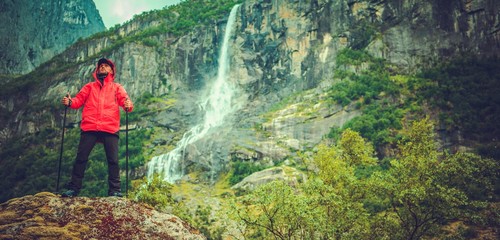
point(101, 100)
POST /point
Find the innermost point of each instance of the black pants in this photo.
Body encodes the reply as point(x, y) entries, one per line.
point(87, 143)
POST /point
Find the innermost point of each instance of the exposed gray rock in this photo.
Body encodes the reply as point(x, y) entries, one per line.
point(47, 216)
point(288, 174)
point(32, 32)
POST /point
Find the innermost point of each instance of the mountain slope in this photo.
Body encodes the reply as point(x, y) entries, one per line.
point(33, 32)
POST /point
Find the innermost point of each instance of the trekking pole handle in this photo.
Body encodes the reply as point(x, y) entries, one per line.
point(126, 109)
point(69, 99)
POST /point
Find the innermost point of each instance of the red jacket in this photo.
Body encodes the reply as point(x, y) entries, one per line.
point(101, 103)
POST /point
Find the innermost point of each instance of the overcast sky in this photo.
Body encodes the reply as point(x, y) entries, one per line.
point(119, 11)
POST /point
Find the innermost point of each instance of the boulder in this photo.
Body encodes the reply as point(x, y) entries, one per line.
point(48, 216)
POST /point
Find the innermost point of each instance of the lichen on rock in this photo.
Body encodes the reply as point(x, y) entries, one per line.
point(48, 216)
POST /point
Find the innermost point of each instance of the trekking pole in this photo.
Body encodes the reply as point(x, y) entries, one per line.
point(61, 148)
point(126, 152)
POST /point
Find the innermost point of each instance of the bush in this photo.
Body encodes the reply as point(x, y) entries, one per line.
point(154, 192)
point(242, 169)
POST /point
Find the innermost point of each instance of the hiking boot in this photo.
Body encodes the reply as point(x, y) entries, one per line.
point(69, 193)
point(115, 194)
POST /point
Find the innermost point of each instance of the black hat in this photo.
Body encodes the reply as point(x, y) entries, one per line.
point(104, 60)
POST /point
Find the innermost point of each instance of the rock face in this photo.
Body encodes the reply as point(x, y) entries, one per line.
point(47, 216)
point(32, 32)
point(288, 174)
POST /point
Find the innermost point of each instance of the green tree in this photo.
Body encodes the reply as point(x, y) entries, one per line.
point(421, 190)
point(417, 199)
point(154, 192)
point(423, 184)
point(334, 215)
point(337, 165)
point(329, 206)
point(273, 210)
point(340, 193)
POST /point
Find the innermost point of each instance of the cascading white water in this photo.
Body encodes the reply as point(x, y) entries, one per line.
point(217, 106)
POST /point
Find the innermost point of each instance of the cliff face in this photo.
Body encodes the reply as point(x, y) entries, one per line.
point(32, 32)
point(280, 47)
point(300, 39)
point(281, 41)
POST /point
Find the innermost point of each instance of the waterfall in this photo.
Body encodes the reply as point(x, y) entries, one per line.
point(216, 106)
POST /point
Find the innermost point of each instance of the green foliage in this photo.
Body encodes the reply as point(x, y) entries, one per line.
point(155, 192)
point(30, 165)
point(362, 34)
point(242, 169)
point(334, 133)
point(417, 198)
point(355, 150)
point(324, 208)
point(348, 56)
point(176, 20)
point(378, 123)
point(194, 12)
point(417, 187)
point(380, 118)
point(466, 93)
point(142, 109)
point(201, 218)
point(347, 166)
point(158, 193)
point(457, 169)
point(43, 74)
point(367, 85)
point(420, 191)
point(150, 42)
point(277, 210)
point(274, 210)
point(136, 140)
point(95, 183)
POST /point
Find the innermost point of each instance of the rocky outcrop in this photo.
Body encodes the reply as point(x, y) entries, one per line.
point(47, 216)
point(33, 32)
point(287, 174)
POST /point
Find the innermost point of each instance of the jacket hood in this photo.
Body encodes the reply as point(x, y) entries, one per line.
point(110, 77)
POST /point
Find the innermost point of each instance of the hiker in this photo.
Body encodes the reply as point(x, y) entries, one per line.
point(101, 100)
